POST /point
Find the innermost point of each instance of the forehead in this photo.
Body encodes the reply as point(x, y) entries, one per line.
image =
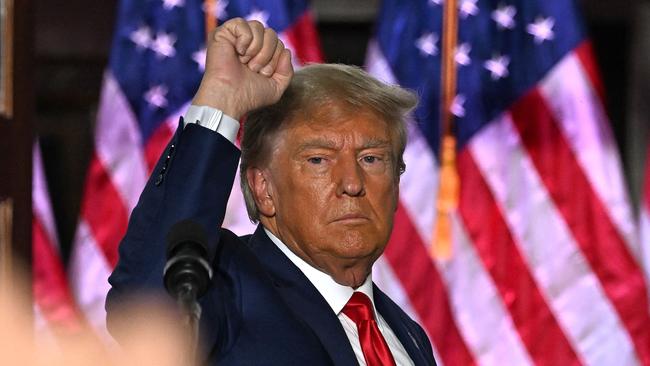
point(335, 123)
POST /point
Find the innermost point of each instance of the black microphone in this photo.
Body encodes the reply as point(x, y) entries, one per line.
point(187, 271)
point(187, 275)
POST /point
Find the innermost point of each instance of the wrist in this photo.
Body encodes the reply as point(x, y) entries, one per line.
point(218, 98)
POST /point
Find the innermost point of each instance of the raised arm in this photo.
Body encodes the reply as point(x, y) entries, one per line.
point(247, 67)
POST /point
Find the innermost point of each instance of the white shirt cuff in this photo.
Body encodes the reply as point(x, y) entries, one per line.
point(213, 119)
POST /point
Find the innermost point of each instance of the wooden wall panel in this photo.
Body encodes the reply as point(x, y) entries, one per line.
point(16, 139)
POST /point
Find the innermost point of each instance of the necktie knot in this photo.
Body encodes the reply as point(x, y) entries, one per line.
point(359, 308)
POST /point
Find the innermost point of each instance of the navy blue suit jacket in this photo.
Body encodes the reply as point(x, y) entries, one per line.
point(260, 308)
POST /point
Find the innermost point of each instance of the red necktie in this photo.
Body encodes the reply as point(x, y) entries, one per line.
point(374, 347)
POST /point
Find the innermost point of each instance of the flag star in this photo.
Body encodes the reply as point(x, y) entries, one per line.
point(199, 58)
point(436, 2)
point(157, 96)
point(498, 66)
point(462, 54)
point(504, 16)
point(427, 44)
point(457, 107)
point(163, 45)
point(467, 8)
point(542, 29)
point(259, 15)
point(171, 4)
point(217, 9)
point(141, 37)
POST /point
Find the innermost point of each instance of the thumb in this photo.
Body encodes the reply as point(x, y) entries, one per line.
point(284, 71)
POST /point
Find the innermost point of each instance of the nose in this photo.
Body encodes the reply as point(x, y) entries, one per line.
point(350, 178)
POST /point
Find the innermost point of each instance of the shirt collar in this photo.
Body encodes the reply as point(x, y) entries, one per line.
point(334, 293)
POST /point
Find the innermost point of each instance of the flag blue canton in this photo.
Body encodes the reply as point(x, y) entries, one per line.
point(504, 49)
point(158, 51)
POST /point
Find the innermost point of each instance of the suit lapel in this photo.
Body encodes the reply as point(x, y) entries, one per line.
point(392, 315)
point(303, 298)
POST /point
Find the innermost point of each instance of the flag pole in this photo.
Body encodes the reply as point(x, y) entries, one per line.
point(210, 17)
point(448, 191)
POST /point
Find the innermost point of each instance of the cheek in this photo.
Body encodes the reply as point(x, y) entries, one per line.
point(387, 193)
point(310, 197)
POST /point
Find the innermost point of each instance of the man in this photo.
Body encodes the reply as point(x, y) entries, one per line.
point(321, 159)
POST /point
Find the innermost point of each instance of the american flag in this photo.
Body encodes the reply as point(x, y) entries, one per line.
point(55, 312)
point(156, 64)
point(545, 263)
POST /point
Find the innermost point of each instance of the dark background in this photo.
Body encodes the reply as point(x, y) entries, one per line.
point(72, 42)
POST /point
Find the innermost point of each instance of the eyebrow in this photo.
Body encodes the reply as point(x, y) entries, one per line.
point(322, 143)
point(317, 143)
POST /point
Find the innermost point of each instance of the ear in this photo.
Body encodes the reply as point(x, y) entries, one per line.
point(262, 190)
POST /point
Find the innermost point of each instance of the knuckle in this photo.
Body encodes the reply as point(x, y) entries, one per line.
point(234, 23)
point(256, 23)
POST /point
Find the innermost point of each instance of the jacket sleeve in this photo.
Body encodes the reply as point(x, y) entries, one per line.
point(192, 180)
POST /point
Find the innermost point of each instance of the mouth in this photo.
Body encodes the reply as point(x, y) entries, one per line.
point(352, 218)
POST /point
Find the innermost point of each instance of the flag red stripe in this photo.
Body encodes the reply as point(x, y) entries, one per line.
point(304, 38)
point(156, 144)
point(585, 53)
point(103, 210)
point(539, 330)
point(581, 208)
point(50, 286)
point(412, 265)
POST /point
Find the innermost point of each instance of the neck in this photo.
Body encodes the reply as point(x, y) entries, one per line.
point(351, 272)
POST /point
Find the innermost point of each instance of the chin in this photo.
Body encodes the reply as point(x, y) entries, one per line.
point(360, 244)
point(353, 278)
point(356, 250)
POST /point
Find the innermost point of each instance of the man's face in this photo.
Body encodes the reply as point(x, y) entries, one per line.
point(334, 189)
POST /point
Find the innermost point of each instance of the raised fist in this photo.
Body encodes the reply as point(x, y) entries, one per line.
point(247, 67)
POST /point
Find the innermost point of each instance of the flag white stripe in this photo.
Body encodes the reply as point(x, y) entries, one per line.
point(236, 219)
point(88, 275)
point(584, 124)
point(478, 308)
point(41, 206)
point(384, 277)
point(563, 275)
point(118, 143)
point(419, 184)
point(377, 65)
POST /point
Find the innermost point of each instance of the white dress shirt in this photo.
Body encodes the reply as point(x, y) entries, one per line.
point(335, 294)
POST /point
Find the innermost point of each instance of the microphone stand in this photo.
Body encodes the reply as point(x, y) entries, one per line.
point(187, 275)
point(191, 310)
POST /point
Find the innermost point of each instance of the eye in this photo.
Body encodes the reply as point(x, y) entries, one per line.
point(315, 160)
point(370, 159)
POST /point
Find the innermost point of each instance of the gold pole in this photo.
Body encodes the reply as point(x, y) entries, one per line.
point(6, 63)
point(448, 190)
point(210, 17)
